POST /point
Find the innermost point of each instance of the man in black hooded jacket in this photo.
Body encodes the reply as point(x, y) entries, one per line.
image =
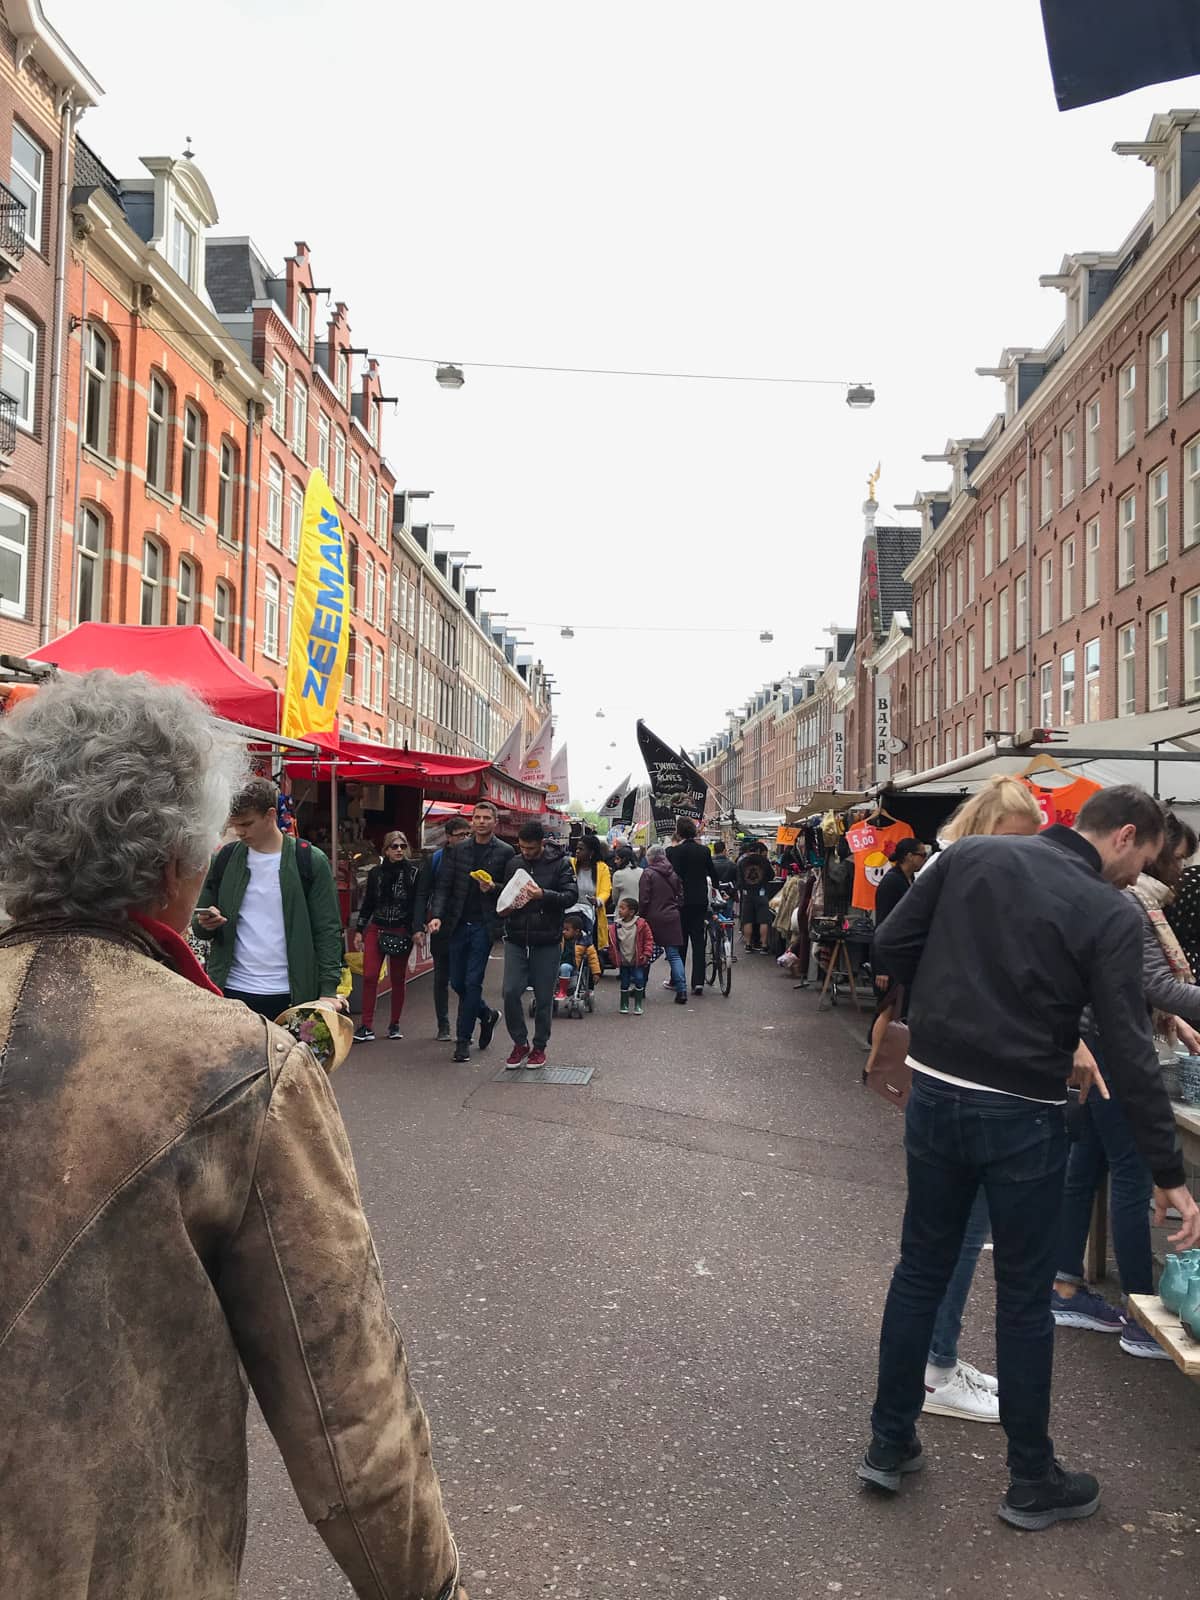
point(533, 939)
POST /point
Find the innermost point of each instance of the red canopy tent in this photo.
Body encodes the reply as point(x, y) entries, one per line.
point(359, 761)
point(188, 655)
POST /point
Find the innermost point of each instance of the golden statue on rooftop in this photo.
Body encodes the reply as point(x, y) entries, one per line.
point(872, 480)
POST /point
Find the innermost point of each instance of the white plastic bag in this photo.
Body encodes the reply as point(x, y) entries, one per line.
point(513, 896)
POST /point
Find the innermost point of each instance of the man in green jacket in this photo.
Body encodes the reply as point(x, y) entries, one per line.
point(270, 910)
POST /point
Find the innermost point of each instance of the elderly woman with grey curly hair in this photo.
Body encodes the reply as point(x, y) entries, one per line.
point(179, 1202)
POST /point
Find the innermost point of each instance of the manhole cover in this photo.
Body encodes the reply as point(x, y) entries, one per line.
point(576, 1076)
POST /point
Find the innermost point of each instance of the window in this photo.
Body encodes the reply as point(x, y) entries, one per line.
point(279, 388)
point(275, 504)
point(304, 319)
point(1191, 495)
point(1127, 671)
point(397, 610)
point(1047, 621)
point(351, 664)
point(339, 464)
point(1157, 635)
point(27, 181)
point(185, 593)
point(1091, 563)
point(989, 541)
point(960, 585)
point(949, 679)
point(223, 613)
point(383, 517)
point(947, 596)
point(1191, 344)
point(1156, 388)
point(355, 495)
point(1068, 578)
point(1157, 531)
point(970, 572)
point(1002, 548)
point(89, 552)
point(1046, 695)
point(960, 667)
point(295, 518)
point(1068, 463)
point(1005, 724)
point(1126, 540)
point(1091, 681)
point(972, 656)
point(191, 479)
point(352, 575)
point(271, 613)
point(1191, 645)
point(1021, 703)
point(97, 388)
point(157, 422)
point(14, 556)
point(183, 249)
point(1091, 441)
point(377, 696)
point(989, 719)
point(343, 378)
point(372, 489)
point(972, 734)
point(373, 409)
point(323, 444)
point(19, 376)
point(1022, 530)
point(368, 601)
point(948, 745)
point(1047, 506)
point(1021, 610)
point(989, 633)
point(300, 418)
point(1126, 408)
point(381, 596)
point(151, 610)
point(960, 743)
point(1002, 625)
point(227, 493)
point(393, 669)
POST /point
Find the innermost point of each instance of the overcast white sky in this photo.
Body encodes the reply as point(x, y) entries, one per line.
point(864, 191)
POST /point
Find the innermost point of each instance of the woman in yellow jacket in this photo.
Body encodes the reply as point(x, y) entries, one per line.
point(595, 884)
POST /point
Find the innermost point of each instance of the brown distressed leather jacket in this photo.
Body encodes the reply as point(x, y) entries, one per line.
point(178, 1203)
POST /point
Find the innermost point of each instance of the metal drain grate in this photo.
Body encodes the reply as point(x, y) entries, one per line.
point(576, 1077)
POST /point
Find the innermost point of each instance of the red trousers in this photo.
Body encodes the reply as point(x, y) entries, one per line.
point(397, 970)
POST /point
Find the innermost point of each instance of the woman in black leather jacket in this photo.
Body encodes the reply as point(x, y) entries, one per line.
point(393, 906)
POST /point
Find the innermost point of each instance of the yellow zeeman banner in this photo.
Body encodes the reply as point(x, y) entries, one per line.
point(320, 620)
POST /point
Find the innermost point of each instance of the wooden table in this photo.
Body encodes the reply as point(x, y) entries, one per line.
point(1166, 1327)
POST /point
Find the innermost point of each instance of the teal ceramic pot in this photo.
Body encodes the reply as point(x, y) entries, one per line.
point(1189, 1311)
point(1175, 1282)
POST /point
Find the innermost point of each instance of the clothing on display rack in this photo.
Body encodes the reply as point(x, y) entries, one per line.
point(871, 843)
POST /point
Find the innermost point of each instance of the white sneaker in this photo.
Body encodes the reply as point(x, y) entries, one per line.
point(983, 1379)
point(962, 1396)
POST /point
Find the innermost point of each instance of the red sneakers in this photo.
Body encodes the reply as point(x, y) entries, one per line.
point(517, 1058)
point(537, 1058)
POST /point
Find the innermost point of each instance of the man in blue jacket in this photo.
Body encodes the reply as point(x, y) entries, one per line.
point(456, 830)
point(464, 907)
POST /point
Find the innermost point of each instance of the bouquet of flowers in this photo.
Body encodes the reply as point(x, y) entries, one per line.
point(328, 1033)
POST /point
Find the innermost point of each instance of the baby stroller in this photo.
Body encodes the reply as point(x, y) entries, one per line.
point(576, 980)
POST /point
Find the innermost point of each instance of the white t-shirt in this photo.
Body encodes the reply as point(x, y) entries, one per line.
point(260, 953)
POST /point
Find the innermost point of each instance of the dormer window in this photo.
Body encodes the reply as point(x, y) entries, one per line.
point(303, 319)
point(343, 377)
point(183, 248)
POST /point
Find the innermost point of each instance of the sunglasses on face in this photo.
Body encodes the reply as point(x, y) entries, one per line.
point(398, 844)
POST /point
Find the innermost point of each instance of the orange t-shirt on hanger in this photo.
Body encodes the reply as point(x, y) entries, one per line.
point(871, 846)
point(1062, 802)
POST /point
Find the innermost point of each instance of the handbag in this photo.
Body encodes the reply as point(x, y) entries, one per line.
point(888, 1073)
point(393, 942)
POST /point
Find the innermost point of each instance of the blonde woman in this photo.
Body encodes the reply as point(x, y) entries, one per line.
point(393, 906)
point(955, 1388)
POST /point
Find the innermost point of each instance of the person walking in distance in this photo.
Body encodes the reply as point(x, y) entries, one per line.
point(660, 901)
point(995, 1004)
point(626, 875)
point(456, 830)
point(464, 905)
point(631, 949)
point(393, 906)
point(269, 909)
point(533, 930)
point(724, 871)
point(694, 869)
point(754, 875)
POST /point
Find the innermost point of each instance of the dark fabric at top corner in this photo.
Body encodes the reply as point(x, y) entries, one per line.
point(1108, 47)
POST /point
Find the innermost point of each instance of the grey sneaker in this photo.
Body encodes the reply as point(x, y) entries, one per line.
point(1058, 1497)
point(885, 1464)
point(1084, 1309)
point(443, 1033)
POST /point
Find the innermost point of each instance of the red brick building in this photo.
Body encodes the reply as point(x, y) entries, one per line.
point(323, 409)
point(43, 90)
point(1058, 579)
point(163, 416)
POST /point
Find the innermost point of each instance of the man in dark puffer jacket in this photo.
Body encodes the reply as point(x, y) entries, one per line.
point(532, 940)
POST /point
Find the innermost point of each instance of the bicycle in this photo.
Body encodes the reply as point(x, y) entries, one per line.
point(719, 964)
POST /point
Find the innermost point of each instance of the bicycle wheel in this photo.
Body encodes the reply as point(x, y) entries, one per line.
point(712, 964)
point(725, 966)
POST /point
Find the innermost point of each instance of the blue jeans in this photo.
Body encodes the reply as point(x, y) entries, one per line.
point(943, 1347)
point(957, 1141)
point(470, 947)
point(632, 978)
point(1104, 1142)
point(678, 973)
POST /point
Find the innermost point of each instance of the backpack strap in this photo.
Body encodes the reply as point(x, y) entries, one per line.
point(220, 862)
point(304, 863)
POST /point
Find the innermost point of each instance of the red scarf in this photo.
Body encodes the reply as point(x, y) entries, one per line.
point(177, 951)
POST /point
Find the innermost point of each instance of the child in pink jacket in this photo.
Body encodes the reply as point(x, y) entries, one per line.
point(631, 947)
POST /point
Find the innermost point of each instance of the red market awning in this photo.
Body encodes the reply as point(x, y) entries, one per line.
point(188, 655)
point(449, 777)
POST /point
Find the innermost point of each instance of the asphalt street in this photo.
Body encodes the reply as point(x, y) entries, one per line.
point(642, 1316)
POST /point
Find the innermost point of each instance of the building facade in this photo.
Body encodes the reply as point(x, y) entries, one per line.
point(44, 89)
point(1058, 579)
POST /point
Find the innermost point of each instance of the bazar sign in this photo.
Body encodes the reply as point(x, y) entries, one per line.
point(883, 728)
point(320, 634)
